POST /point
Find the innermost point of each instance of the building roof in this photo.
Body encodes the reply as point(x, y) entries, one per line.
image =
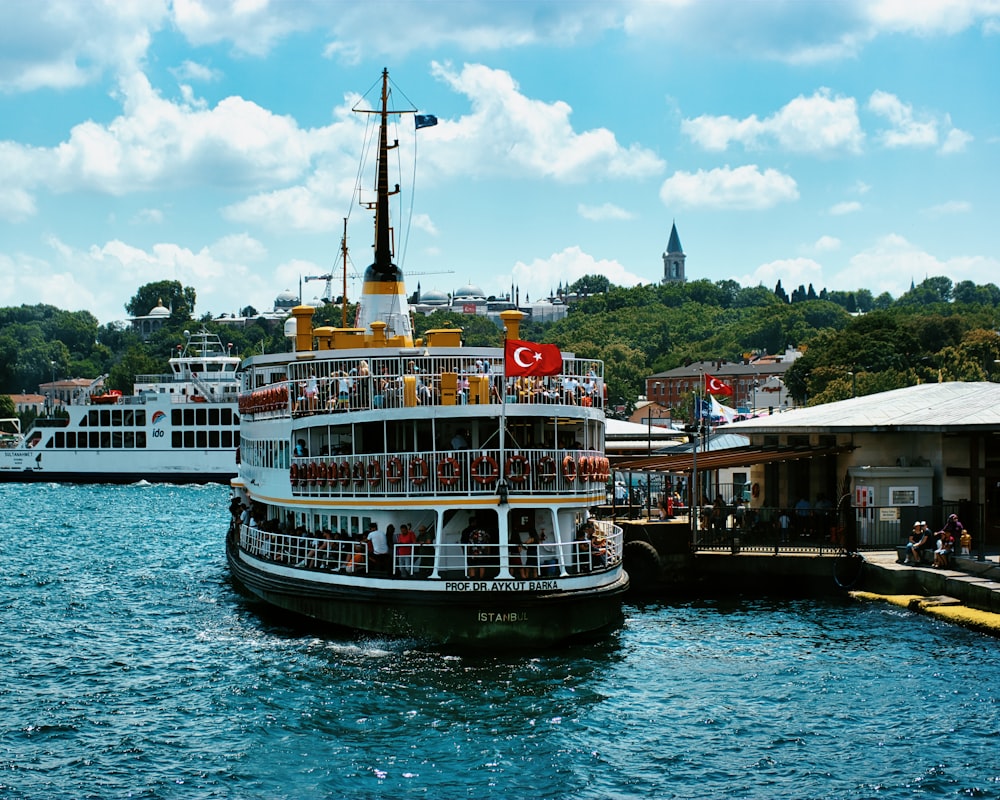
point(674, 245)
point(926, 407)
point(725, 369)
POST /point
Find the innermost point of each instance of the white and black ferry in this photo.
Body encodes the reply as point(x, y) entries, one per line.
point(179, 427)
point(421, 487)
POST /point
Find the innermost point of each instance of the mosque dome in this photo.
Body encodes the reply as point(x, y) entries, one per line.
point(434, 297)
point(286, 299)
point(469, 292)
point(159, 311)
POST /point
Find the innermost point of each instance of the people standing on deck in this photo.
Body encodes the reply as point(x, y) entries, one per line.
point(405, 541)
point(378, 548)
point(548, 558)
point(425, 549)
point(530, 569)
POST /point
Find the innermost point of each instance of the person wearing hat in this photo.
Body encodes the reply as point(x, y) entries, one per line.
point(914, 549)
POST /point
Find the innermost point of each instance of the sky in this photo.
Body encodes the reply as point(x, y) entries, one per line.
point(849, 144)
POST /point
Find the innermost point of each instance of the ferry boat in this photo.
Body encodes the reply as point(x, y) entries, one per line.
point(178, 427)
point(419, 487)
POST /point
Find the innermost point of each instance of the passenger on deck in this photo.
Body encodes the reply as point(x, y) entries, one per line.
point(547, 556)
point(530, 569)
point(378, 548)
point(405, 541)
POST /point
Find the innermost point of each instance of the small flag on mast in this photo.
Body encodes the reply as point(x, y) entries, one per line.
point(424, 120)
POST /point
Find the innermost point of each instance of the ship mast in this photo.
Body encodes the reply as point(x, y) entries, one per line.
point(383, 297)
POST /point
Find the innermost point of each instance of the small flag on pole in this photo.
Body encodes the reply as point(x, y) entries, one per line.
point(715, 386)
point(424, 120)
point(528, 358)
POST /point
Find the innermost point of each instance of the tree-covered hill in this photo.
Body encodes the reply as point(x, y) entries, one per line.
point(853, 342)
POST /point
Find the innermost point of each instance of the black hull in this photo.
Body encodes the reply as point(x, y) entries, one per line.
point(469, 619)
point(117, 478)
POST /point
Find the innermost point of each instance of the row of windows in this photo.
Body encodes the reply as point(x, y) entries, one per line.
point(127, 440)
point(205, 416)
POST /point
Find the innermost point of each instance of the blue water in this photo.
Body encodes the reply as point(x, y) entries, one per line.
point(131, 668)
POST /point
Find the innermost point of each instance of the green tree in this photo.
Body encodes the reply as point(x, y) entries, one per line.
point(590, 284)
point(179, 299)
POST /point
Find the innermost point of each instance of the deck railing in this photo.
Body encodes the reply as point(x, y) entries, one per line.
point(448, 560)
point(535, 471)
point(339, 385)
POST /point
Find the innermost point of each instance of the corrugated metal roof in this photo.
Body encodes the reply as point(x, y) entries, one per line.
point(723, 459)
point(928, 407)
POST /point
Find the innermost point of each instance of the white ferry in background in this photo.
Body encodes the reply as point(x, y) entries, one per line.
point(179, 427)
point(491, 456)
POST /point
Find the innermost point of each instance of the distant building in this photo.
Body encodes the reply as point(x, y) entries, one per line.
point(757, 382)
point(148, 324)
point(673, 259)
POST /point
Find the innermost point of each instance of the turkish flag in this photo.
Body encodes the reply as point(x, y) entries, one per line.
point(715, 386)
point(528, 358)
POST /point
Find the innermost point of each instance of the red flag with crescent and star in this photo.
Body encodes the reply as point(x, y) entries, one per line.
point(715, 386)
point(528, 358)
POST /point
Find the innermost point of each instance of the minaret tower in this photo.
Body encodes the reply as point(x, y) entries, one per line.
point(673, 259)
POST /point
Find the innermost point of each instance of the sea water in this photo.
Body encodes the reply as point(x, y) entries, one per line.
point(131, 668)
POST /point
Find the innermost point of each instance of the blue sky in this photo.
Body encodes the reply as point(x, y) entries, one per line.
point(844, 144)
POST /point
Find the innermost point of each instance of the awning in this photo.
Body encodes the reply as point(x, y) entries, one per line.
point(723, 459)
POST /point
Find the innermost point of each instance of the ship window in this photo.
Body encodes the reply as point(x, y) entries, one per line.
point(213, 438)
point(60, 440)
point(201, 417)
point(116, 417)
point(189, 416)
point(201, 440)
point(213, 417)
point(140, 418)
point(105, 418)
point(140, 438)
point(175, 417)
point(227, 439)
point(71, 440)
point(175, 439)
point(130, 439)
point(81, 441)
point(189, 439)
point(129, 418)
point(116, 439)
point(105, 439)
point(95, 440)
point(227, 416)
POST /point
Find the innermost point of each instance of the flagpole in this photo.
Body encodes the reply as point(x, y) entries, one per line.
point(695, 502)
point(502, 486)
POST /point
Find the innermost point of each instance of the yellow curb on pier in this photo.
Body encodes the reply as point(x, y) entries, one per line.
point(944, 608)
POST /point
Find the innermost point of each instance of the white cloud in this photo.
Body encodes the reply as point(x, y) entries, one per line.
point(62, 44)
point(509, 131)
point(949, 208)
point(910, 130)
point(147, 216)
point(819, 124)
point(740, 188)
point(16, 205)
point(603, 212)
point(826, 244)
point(892, 262)
point(792, 272)
point(846, 207)
point(955, 141)
point(193, 71)
point(543, 275)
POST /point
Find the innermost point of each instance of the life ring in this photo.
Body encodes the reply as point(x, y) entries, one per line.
point(394, 470)
point(487, 477)
point(755, 490)
point(321, 473)
point(569, 469)
point(311, 472)
point(546, 469)
point(418, 470)
point(344, 472)
point(448, 478)
point(293, 474)
point(374, 471)
point(358, 471)
point(642, 562)
point(583, 469)
point(525, 468)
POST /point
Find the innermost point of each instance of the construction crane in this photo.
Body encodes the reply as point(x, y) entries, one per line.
point(327, 296)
